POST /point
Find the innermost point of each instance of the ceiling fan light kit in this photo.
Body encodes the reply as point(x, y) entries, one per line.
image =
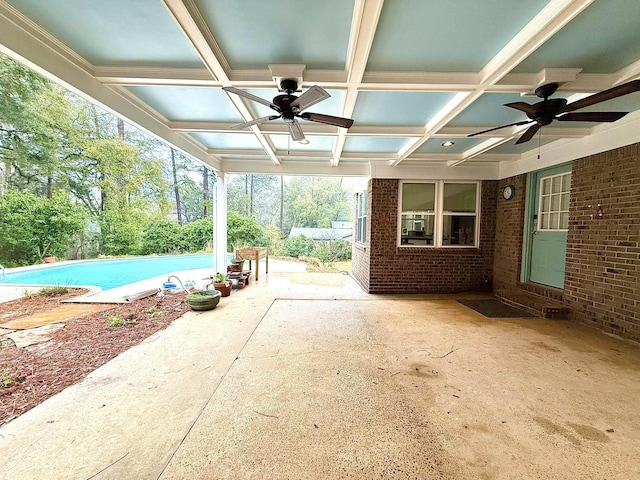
point(543, 113)
point(291, 107)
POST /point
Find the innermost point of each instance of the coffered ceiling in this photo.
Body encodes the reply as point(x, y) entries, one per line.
point(412, 74)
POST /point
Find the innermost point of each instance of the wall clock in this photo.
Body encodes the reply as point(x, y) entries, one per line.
point(508, 192)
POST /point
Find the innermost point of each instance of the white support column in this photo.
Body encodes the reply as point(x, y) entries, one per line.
point(220, 225)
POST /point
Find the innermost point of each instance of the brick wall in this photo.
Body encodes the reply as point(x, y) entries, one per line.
point(394, 269)
point(602, 273)
point(602, 279)
point(509, 227)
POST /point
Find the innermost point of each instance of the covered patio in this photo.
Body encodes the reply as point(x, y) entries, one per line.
point(304, 375)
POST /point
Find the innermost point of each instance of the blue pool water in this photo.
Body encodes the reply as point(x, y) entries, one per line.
point(108, 273)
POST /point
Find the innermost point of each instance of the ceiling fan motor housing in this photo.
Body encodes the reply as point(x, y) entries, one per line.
point(289, 85)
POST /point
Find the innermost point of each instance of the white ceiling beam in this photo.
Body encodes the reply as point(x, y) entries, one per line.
point(190, 20)
point(542, 27)
point(366, 14)
point(458, 103)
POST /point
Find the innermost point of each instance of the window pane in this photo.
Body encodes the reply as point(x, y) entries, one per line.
point(458, 230)
point(460, 197)
point(417, 229)
point(566, 182)
point(564, 221)
point(546, 186)
point(554, 223)
point(557, 184)
point(544, 221)
point(564, 204)
point(418, 197)
point(545, 204)
point(555, 203)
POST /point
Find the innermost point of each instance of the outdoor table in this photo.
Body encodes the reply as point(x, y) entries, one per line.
point(254, 253)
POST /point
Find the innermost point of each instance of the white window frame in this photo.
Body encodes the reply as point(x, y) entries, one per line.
point(440, 214)
point(361, 218)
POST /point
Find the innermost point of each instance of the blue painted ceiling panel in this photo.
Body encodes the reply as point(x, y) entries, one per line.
point(398, 108)
point(255, 33)
point(374, 144)
point(317, 143)
point(460, 145)
point(189, 103)
point(446, 35)
point(228, 141)
point(587, 41)
point(115, 32)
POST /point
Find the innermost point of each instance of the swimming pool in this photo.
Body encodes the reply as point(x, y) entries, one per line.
point(107, 273)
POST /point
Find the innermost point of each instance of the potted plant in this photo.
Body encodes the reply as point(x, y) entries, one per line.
point(203, 300)
point(222, 284)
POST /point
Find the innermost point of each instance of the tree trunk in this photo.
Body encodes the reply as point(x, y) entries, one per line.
point(251, 199)
point(205, 191)
point(246, 195)
point(281, 202)
point(175, 186)
point(121, 128)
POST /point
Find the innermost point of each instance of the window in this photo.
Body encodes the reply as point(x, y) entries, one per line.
point(554, 202)
point(361, 233)
point(418, 213)
point(439, 213)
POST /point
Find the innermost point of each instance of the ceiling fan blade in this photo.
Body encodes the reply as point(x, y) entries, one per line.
point(327, 119)
point(523, 107)
point(296, 130)
point(592, 117)
point(615, 92)
point(524, 122)
point(248, 95)
point(240, 126)
point(312, 96)
point(529, 133)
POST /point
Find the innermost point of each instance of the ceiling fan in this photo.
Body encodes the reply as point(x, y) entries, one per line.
point(548, 110)
point(290, 106)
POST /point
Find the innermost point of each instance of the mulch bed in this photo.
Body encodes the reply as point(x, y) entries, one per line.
point(81, 346)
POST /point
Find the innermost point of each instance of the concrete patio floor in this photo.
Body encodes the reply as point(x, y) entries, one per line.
point(306, 376)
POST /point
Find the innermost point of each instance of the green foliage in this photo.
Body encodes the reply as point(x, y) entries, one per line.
point(161, 236)
point(219, 278)
point(331, 251)
point(34, 227)
point(275, 241)
point(117, 321)
point(243, 231)
point(152, 312)
point(10, 375)
point(315, 202)
point(197, 236)
point(53, 291)
point(121, 232)
point(299, 246)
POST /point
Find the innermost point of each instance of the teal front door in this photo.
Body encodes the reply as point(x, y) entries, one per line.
point(549, 223)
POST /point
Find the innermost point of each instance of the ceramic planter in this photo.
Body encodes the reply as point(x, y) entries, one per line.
point(204, 300)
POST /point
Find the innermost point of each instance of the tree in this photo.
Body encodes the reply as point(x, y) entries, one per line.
point(34, 227)
point(243, 231)
point(315, 202)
